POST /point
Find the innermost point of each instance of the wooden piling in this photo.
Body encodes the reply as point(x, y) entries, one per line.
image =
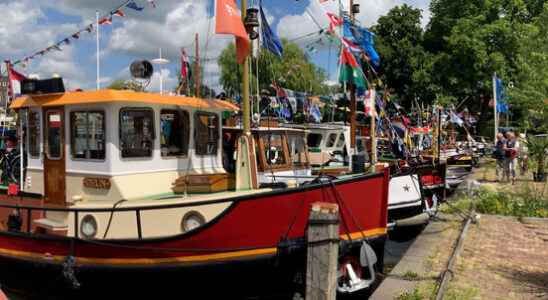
point(323, 251)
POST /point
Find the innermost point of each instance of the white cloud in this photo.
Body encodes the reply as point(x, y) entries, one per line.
point(142, 38)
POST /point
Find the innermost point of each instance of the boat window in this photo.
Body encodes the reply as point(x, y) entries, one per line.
point(174, 126)
point(206, 133)
point(340, 142)
point(88, 134)
point(298, 150)
point(314, 140)
point(34, 133)
point(274, 149)
point(54, 134)
point(331, 140)
point(136, 132)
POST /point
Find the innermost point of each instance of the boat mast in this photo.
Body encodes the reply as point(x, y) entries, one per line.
point(246, 168)
point(197, 67)
point(352, 89)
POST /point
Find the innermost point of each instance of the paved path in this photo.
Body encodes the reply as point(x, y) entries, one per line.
point(504, 258)
point(420, 263)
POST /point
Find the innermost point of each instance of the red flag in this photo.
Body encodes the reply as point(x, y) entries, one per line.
point(334, 21)
point(13, 75)
point(229, 21)
point(184, 65)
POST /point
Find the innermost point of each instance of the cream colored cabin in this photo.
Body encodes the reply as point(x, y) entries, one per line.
point(94, 149)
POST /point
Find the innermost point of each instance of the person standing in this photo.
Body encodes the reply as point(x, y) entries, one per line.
point(498, 154)
point(511, 153)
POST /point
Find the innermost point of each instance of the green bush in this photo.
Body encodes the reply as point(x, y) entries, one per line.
point(522, 203)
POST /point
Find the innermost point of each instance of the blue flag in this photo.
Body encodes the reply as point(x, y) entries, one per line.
point(363, 38)
point(502, 106)
point(270, 39)
point(133, 5)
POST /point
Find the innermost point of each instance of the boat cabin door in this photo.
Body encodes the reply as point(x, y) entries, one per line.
point(54, 156)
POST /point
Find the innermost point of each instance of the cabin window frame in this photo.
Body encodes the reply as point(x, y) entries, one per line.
point(73, 128)
point(218, 134)
point(265, 166)
point(298, 165)
point(185, 134)
point(62, 137)
point(331, 143)
point(153, 130)
point(37, 135)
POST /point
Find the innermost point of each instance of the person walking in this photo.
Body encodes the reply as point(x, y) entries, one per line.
point(498, 154)
point(511, 154)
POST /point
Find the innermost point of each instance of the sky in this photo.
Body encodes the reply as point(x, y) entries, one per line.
point(28, 26)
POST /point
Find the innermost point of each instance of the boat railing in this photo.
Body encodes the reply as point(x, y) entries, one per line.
point(77, 211)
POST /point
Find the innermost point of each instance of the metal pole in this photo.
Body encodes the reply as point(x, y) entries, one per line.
point(97, 50)
point(245, 85)
point(161, 75)
point(495, 106)
point(197, 67)
point(21, 151)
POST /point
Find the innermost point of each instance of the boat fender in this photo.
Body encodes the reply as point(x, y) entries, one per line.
point(367, 255)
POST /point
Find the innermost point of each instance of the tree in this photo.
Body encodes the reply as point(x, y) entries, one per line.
point(530, 94)
point(293, 71)
point(404, 62)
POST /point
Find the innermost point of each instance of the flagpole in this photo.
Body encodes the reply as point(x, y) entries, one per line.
point(495, 105)
point(97, 50)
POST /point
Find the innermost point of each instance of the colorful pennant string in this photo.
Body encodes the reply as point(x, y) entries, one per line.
point(104, 20)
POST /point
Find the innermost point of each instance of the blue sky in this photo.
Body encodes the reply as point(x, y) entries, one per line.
point(31, 25)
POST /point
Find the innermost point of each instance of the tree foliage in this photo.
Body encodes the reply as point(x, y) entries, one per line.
point(293, 71)
point(453, 59)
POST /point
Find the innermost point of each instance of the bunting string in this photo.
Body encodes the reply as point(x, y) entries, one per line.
point(103, 20)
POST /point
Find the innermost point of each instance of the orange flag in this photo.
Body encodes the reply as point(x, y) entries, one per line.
point(229, 21)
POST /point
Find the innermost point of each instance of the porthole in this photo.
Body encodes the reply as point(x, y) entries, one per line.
point(192, 220)
point(88, 227)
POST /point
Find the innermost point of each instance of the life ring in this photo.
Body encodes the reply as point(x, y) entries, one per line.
point(276, 155)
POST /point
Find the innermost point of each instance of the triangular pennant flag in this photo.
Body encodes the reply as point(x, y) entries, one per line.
point(119, 13)
point(133, 5)
point(105, 21)
point(152, 3)
point(89, 28)
point(76, 35)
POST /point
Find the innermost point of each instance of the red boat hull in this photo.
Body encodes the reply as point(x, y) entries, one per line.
point(255, 228)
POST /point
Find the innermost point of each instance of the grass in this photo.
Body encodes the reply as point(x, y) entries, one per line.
point(410, 275)
point(524, 202)
point(413, 295)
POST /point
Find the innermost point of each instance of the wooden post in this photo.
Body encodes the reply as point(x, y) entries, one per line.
point(323, 251)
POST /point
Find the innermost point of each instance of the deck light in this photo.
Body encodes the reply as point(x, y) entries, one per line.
point(251, 21)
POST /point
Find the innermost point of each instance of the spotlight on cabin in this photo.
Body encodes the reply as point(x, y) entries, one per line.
point(356, 8)
point(141, 69)
point(251, 22)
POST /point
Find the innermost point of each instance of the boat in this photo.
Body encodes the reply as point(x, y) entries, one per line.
point(128, 189)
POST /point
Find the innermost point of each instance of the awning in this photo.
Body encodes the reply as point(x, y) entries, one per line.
point(113, 96)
